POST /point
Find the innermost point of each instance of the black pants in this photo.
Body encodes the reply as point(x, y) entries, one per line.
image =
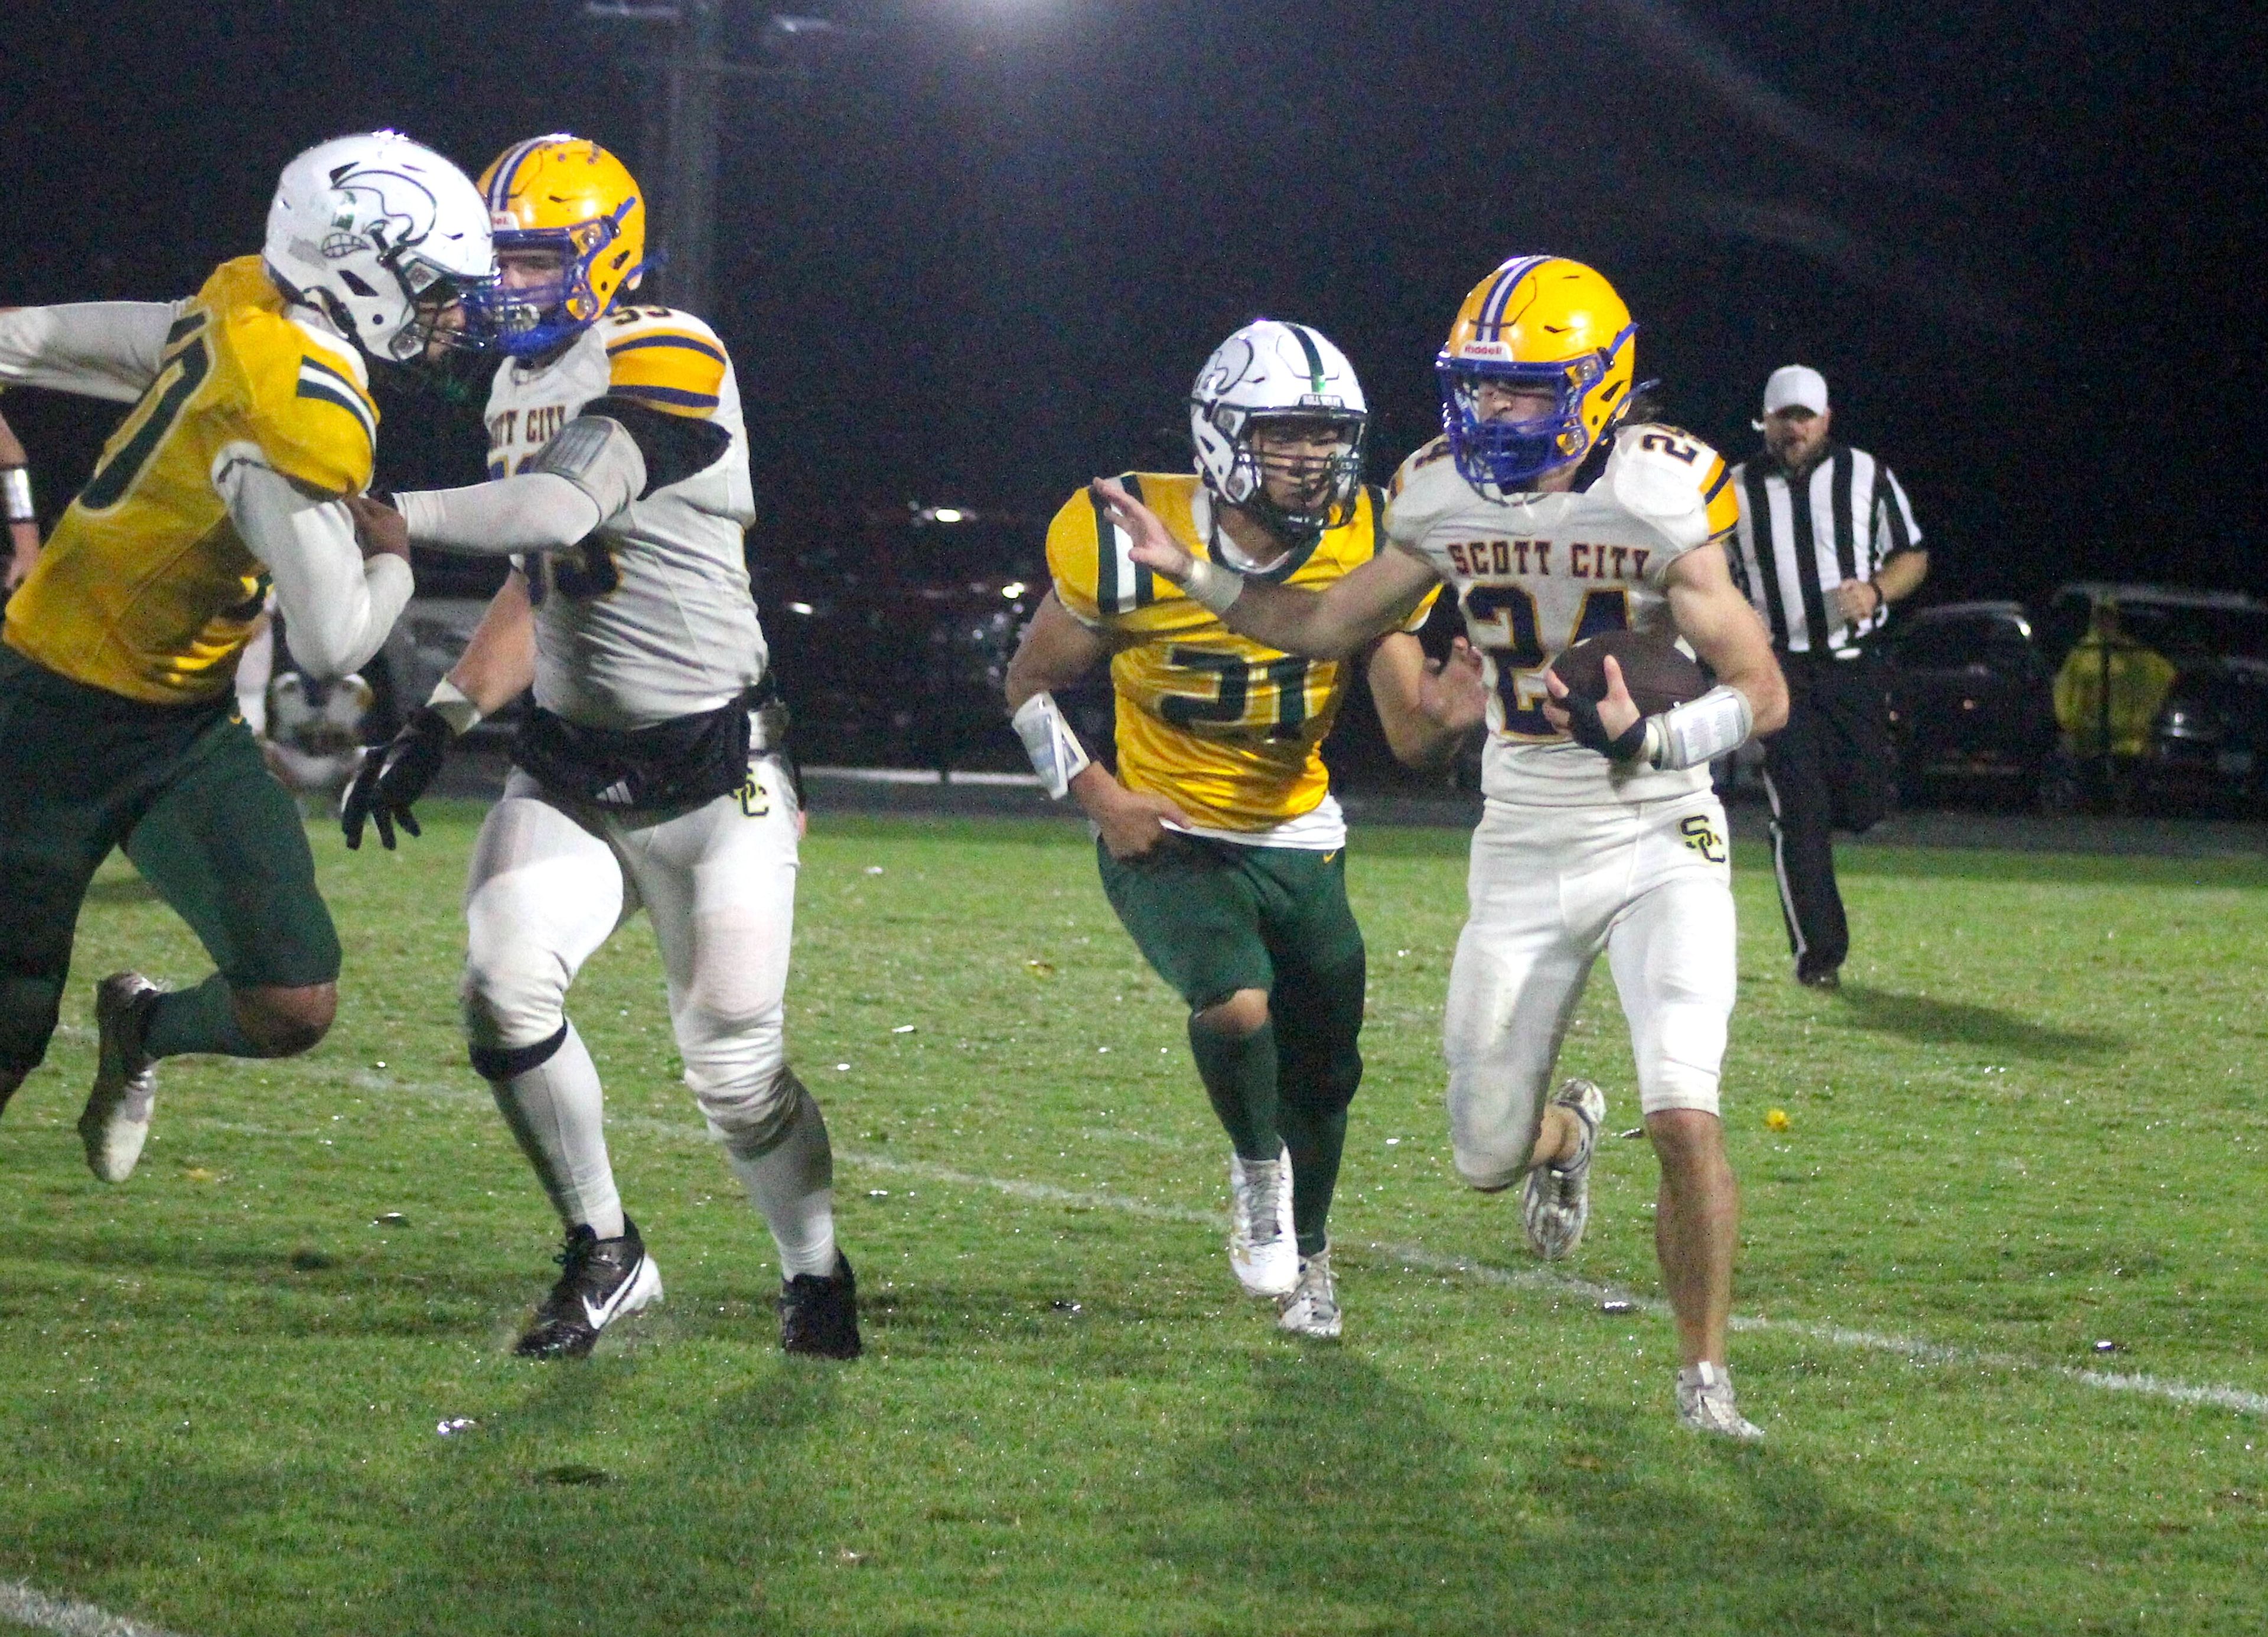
point(1828, 768)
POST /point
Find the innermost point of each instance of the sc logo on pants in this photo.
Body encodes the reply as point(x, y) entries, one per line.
point(1702, 837)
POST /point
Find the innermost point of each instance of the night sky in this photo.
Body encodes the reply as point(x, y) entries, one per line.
point(980, 256)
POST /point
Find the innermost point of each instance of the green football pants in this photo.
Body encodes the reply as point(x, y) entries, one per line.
point(183, 789)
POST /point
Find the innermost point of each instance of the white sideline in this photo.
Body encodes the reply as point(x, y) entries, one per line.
point(26, 1606)
point(2241, 1400)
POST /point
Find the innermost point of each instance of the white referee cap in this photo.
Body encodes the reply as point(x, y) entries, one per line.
point(1796, 387)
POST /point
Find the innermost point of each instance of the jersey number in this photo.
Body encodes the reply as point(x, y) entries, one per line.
point(1502, 619)
point(1239, 680)
point(187, 370)
point(581, 574)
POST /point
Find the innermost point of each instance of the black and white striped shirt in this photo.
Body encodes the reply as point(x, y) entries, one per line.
point(1790, 553)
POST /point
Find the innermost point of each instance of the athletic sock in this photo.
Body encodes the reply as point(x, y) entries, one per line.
point(1239, 1071)
point(203, 1019)
point(790, 1177)
point(551, 1099)
point(1317, 1140)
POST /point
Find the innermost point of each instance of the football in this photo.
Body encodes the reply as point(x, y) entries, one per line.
point(1658, 672)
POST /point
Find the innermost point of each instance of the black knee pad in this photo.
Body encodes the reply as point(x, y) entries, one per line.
point(491, 1062)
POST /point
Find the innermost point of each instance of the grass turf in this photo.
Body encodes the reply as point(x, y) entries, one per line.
point(2029, 1121)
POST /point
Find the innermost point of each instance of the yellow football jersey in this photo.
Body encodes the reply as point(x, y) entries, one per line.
point(1231, 731)
point(145, 589)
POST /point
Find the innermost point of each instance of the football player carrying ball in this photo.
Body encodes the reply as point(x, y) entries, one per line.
point(1555, 521)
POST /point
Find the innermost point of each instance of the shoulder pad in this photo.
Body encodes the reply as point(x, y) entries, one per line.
point(309, 407)
point(1095, 575)
point(1673, 481)
point(1426, 485)
point(1424, 455)
point(1074, 541)
point(666, 359)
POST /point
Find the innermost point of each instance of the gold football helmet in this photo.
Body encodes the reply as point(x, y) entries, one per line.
point(1538, 322)
point(566, 194)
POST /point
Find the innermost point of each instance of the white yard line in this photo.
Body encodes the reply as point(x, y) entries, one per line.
point(66, 1616)
point(2237, 1399)
point(2242, 1400)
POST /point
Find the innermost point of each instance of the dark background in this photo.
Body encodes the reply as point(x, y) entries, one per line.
point(980, 254)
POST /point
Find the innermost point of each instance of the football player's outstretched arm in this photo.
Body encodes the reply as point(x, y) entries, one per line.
point(1057, 651)
point(108, 349)
point(1426, 706)
point(1330, 624)
point(613, 452)
point(1711, 614)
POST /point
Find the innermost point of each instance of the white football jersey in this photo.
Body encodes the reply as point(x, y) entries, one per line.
point(652, 616)
point(1536, 573)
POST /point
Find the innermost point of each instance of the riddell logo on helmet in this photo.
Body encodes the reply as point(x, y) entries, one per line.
point(1485, 349)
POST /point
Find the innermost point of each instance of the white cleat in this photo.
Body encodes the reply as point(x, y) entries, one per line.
point(1313, 1308)
point(1261, 1248)
point(1555, 1206)
point(115, 1123)
point(1705, 1404)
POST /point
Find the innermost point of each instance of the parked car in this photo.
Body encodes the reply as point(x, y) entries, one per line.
point(891, 638)
point(1972, 706)
point(2208, 746)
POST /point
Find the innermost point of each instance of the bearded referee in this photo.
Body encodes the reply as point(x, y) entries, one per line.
point(1826, 544)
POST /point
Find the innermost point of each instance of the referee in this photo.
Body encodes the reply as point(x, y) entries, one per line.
point(1826, 544)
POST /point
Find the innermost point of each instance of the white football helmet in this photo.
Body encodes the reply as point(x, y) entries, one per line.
point(1273, 369)
point(382, 234)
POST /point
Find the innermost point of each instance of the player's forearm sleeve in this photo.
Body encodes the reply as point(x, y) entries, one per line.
point(337, 607)
point(98, 348)
point(535, 512)
point(584, 476)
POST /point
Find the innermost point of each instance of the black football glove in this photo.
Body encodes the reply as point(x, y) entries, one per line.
point(394, 775)
point(1584, 728)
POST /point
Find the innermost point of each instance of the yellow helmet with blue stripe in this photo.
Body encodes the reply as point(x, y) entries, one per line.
point(1543, 323)
point(566, 194)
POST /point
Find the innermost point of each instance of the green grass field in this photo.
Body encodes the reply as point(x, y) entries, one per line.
point(2031, 1121)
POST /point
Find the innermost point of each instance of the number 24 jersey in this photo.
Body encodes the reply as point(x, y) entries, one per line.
point(1536, 573)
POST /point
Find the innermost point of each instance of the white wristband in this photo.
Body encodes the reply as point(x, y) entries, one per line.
point(16, 495)
point(1696, 733)
point(452, 706)
point(1056, 755)
point(1213, 586)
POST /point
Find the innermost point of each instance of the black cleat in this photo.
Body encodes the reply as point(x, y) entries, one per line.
point(605, 1279)
point(1818, 977)
point(819, 1317)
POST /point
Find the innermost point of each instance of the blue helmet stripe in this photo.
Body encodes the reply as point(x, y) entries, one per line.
point(1492, 318)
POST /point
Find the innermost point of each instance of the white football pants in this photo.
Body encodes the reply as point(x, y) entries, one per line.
point(549, 882)
point(1650, 883)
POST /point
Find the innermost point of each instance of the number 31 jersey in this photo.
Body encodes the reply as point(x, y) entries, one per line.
point(1536, 573)
point(652, 616)
point(1230, 730)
